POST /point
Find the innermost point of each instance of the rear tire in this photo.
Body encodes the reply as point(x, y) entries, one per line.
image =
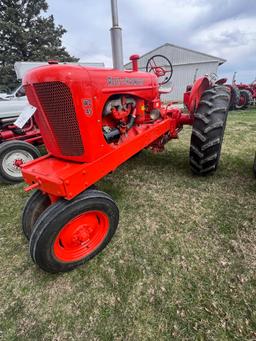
point(250, 102)
point(244, 100)
point(234, 97)
point(208, 130)
point(13, 153)
point(70, 233)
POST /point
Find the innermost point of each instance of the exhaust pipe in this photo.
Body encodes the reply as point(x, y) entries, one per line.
point(116, 38)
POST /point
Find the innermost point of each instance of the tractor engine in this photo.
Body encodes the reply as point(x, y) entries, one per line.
point(122, 112)
point(119, 115)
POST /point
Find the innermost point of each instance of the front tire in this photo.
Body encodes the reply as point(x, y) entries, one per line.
point(70, 233)
point(208, 130)
point(12, 155)
point(34, 207)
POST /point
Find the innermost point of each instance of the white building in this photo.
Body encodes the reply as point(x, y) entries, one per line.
point(186, 64)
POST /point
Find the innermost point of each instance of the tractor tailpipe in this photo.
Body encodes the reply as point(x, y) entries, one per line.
point(116, 38)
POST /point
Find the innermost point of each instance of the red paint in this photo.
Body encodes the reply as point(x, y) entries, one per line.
point(134, 58)
point(81, 236)
point(95, 85)
point(18, 162)
point(242, 100)
point(70, 103)
point(193, 96)
point(30, 133)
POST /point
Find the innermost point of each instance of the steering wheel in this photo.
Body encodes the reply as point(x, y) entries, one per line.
point(161, 67)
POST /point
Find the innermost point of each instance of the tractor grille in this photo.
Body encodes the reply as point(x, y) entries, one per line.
point(57, 104)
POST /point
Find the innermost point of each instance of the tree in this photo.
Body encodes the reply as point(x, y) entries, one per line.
point(26, 35)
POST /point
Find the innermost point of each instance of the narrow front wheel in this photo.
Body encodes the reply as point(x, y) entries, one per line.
point(34, 207)
point(69, 233)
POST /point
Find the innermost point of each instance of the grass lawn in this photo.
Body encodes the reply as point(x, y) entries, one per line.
point(182, 264)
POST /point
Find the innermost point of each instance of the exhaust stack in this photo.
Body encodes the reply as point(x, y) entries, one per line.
point(116, 38)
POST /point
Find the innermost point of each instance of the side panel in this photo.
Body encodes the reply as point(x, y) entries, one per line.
point(67, 178)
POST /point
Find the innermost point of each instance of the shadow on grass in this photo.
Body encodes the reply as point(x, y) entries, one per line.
point(110, 186)
point(167, 160)
point(236, 165)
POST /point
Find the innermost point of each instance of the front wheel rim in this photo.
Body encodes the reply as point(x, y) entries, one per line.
point(81, 236)
point(13, 160)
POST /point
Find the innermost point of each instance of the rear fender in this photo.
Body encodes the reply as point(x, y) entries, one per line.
point(197, 90)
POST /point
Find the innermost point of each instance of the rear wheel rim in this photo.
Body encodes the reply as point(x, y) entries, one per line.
point(81, 236)
point(242, 100)
point(12, 160)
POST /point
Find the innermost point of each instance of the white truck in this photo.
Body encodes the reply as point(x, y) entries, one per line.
point(13, 103)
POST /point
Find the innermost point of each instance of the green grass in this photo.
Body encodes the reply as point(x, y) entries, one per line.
point(181, 265)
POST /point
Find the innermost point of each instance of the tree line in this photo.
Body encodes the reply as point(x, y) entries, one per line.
point(27, 34)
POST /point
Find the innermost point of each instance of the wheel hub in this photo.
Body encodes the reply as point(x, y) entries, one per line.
point(18, 162)
point(159, 72)
point(81, 235)
point(13, 160)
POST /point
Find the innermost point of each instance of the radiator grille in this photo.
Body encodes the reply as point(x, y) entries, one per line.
point(40, 119)
point(57, 104)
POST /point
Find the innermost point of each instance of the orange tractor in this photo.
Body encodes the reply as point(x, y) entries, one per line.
point(91, 121)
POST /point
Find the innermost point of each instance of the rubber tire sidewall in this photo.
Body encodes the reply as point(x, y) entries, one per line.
point(199, 125)
point(58, 215)
point(234, 98)
point(5, 148)
point(34, 207)
point(247, 100)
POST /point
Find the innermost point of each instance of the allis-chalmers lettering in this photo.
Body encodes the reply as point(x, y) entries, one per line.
point(117, 81)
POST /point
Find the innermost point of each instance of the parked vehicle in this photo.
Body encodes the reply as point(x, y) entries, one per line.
point(17, 146)
point(92, 121)
point(244, 94)
point(18, 94)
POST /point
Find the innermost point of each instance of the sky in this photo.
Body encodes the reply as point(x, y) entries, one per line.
point(223, 28)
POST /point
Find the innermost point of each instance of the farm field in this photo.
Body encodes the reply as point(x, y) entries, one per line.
point(181, 266)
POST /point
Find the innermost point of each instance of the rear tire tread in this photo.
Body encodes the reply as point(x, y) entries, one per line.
point(208, 130)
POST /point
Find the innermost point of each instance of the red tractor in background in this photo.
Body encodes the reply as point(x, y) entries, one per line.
point(91, 121)
point(246, 96)
point(253, 87)
point(242, 95)
point(17, 146)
